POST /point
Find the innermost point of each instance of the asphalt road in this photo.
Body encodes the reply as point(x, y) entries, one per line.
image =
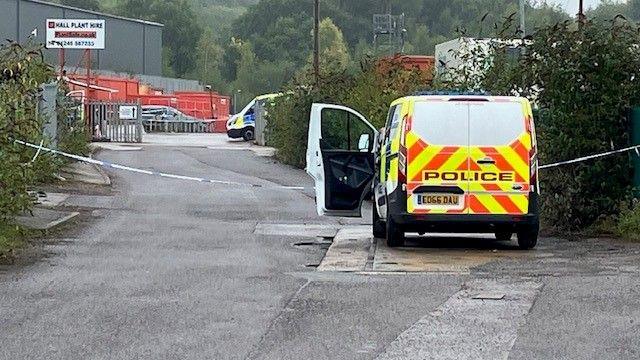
point(183, 270)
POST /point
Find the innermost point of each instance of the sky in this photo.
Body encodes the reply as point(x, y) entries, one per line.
point(571, 6)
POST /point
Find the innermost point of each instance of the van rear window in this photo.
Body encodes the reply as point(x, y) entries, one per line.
point(468, 123)
point(495, 123)
point(442, 123)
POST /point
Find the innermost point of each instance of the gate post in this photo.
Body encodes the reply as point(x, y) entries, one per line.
point(139, 123)
point(47, 110)
point(261, 123)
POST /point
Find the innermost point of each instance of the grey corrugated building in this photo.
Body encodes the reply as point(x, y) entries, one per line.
point(131, 46)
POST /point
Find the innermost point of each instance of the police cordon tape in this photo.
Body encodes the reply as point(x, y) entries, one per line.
point(636, 148)
point(106, 164)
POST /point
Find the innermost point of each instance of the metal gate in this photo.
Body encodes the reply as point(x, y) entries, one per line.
point(115, 121)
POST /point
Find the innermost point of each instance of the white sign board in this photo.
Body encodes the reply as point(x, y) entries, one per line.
point(75, 34)
point(128, 112)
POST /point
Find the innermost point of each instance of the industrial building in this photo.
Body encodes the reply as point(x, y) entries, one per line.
point(132, 46)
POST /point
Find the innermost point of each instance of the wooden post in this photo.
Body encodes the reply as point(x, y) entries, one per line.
point(88, 65)
point(316, 41)
point(61, 60)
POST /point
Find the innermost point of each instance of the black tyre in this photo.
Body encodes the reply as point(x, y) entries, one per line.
point(528, 236)
point(394, 233)
point(248, 135)
point(502, 235)
point(379, 229)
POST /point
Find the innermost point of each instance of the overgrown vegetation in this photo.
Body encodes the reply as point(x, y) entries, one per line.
point(583, 80)
point(23, 71)
point(369, 91)
point(627, 224)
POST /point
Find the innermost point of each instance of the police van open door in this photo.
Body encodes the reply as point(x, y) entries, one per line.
point(340, 159)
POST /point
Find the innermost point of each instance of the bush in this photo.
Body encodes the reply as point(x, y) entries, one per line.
point(72, 132)
point(628, 223)
point(369, 91)
point(22, 70)
point(583, 79)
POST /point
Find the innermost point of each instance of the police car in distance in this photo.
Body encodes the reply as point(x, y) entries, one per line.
point(243, 124)
point(442, 163)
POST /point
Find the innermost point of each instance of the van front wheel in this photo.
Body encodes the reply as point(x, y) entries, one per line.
point(528, 236)
point(248, 135)
point(394, 234)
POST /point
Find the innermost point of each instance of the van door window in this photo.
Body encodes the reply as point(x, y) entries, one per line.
point(393, 124)
point(493, 124)
point(341, 130)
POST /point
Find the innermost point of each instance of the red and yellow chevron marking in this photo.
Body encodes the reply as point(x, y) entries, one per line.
point(457, 165)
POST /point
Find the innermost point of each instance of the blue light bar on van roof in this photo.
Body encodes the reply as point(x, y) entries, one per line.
point(451, 93)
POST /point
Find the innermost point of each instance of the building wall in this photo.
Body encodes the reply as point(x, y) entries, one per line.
point(132, 46)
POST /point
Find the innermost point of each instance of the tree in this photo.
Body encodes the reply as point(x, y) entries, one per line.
point(609, 9)
point(181, 28)
point(333, 49)
point(93, 5)
point(209, 59)
point(634, 9)
point(284, 40)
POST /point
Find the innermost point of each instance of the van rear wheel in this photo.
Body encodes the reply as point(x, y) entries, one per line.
point(394, 233)
point(528, 236)
point(379, 229)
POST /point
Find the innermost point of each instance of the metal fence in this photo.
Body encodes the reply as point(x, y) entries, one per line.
point(115, 122)
point(178, 126)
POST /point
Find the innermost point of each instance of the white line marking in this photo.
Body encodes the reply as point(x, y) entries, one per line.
point(465, 328)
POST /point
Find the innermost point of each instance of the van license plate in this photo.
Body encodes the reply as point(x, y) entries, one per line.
point(439, 200)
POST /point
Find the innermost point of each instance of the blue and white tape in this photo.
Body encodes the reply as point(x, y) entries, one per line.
point(635, 148)
point(107, 164)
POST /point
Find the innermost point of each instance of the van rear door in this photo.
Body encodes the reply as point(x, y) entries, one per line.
point(500, 140)
point(437, 137)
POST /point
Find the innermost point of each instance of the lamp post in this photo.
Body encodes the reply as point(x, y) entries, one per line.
point(235, 101)
point(210, 89)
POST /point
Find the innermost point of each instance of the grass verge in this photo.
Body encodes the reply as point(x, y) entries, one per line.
point(13, 237)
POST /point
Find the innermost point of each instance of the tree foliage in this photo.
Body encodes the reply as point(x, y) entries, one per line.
point(83, 4)
point(369, 91)
point(181, 28)
point(333, 49)
point(22, 71)
point(583, 79)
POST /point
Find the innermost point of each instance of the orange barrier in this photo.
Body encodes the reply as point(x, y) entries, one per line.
point(205, 105)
